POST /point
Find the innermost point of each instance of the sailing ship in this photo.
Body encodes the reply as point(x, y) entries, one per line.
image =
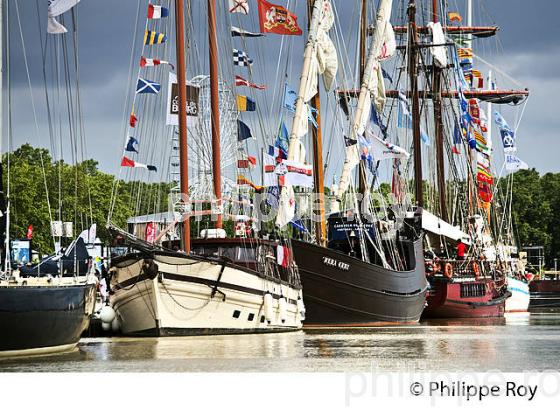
point(41, 311)
point(359, 268)
point(214, 285)
point(473, 285)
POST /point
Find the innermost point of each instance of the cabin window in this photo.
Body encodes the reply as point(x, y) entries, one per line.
point(251, 317)
point(262, 319)
point(236, 314)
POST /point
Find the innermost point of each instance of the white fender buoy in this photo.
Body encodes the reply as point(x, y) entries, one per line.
point(115, 325)
point(107, 315)
point(268, 307)
point(283, 307)
point(301, 307)
point(105, 326)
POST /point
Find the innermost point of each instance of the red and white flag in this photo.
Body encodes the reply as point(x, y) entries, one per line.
point(248, 162)
point(30, 232)
point(283, 256)
point(240, 81)
point(127, 162)
point(151, 232)
point(239, 6)
point(152, 62)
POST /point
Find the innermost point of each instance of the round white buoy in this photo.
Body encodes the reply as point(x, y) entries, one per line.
point(105, 326)
point(107, 314)
point(283, 307)
point(116, 325)
point(268, 307)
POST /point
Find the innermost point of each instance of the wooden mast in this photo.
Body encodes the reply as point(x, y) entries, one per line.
point(440, 161)
point(215, 107)
point(183, 147)
point(413, 73)
point(318, 176)
point(362, 180)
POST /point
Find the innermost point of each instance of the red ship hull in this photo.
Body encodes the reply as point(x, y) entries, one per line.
point(472, 299)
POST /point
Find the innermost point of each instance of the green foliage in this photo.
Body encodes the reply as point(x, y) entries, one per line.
point(536, 210)
point(82, 195)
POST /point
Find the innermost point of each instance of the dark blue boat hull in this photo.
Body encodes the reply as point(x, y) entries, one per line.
point(44, 317)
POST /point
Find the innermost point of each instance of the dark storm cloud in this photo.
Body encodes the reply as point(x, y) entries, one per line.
point(527, 50)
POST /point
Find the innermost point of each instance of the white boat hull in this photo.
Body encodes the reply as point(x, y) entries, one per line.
point(191, 296)
point(520, 297)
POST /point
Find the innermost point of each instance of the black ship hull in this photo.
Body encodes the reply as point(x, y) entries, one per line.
point(43, 319)
point(340, 290)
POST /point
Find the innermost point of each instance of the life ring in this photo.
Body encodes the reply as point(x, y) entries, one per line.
point(448, 270)
point(475, 269)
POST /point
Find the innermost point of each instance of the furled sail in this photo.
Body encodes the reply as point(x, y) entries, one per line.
point(372, 89)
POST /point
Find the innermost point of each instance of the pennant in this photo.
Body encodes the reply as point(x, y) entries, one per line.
point(243, 131)
point(130, 144)
point(453, 16)
point(514, 164)
point(382, 149)
point(240, 81)
point(127, 162)
point(147, 87)
point(375, 126)
point(152, 37)
point(157, 12)
point(277, 19)
point(152, 62)
point(239, 6)
point(133, 119)
point(244, 103)
point(55, 9)
point(241, 180)
point(240, 58)
point(249, 162)
point(299, 225)
point(477, 75)
point(239, 32)
point(283, 139)
point(404, 116)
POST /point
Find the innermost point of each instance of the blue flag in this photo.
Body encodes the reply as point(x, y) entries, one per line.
point(147, 87)
point(283, 139)
point(273, 196)
point(130, 144)
point(243, 131)
point(298, 224)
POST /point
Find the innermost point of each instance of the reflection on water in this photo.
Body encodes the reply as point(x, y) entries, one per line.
point(515, 343)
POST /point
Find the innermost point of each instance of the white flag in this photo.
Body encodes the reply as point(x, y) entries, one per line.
point(239, 6)
point(438, 38)
point(286, 207)
point(514, 164)
point(381, 150)
point(56, 8)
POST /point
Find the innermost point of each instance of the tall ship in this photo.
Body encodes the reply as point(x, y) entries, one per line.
point(44, 306)
point(471, 261)
point(220, 283)
point(361, 262)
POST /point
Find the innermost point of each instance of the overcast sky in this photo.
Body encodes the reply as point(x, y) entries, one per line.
point(528, 51)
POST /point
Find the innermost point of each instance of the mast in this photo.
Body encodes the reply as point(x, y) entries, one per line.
point(215, 107)
point(413, 73)
point(318, 176)
point(362, 180)
point(4, 201)
point(440, 161)
point(470, 180)
point(183, 147)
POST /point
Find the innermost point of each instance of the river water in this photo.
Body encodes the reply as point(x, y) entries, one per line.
point(516, 343)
